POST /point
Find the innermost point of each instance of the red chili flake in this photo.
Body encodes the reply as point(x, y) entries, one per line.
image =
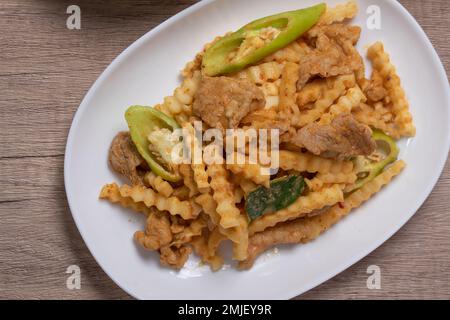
point(341, 205)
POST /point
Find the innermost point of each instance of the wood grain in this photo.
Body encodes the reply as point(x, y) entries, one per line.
point(45, 70)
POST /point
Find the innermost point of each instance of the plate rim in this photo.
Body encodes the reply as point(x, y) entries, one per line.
point(195, 7)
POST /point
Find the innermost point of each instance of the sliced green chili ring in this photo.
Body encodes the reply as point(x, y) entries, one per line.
point(282, 193)
point(291, 24)
point(388, 145)
point(143, 120)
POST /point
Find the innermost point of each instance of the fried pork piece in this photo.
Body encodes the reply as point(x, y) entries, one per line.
point(157, 233)
point(284, 233)
point(125, 159)
point(333, 52)
point(222, 101)
point(343, 137)
point(174, 257)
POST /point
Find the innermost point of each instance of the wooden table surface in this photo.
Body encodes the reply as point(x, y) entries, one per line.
point(46, 69)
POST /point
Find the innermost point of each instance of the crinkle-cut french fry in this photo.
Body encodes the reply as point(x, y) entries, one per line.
point(185, 93)
point(238, 194)
point(182, 117)
point(238, 235)
point(180, 103)
point(194, 229)
point(290, 160)
point(223, 194)
point(267, 77)
point(271, 91)
point(140, 194)
point(159, 184)
point(377, 110)
point(272, 102)
point(346, 103)
point(311, 92)
point(111, 192)
point(337, 177)
point(201, 177)
point(302, 206)
point(382, 111)
point(157, 231)
point(261, 73)
point(338, 85)
point(265, 119)
point(339, 13)
point(198, 178)
point(188, 179)
point(403, 117)
point(177, 224)
point(200, 245)
point(288, 88)
point(181, 192)
point(381, 62)
point(378, 107)
point(250, 171)
point(214, 240)
point(247, 185)
point(371, 117)
point(291, 53)
point(367, 119)
point(209, 206)
point(271, 88)
point(314, 184)
point(360, 76)
point(322, 179)
point(196, 64)
point(192, 66)
point(304, 230)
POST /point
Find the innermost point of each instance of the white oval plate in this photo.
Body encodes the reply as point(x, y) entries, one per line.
point(148, 70)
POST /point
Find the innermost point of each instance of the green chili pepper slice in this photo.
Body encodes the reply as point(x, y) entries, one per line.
point(141, 122)
point(370, 169)
point(282, 193)
point(290, 25)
